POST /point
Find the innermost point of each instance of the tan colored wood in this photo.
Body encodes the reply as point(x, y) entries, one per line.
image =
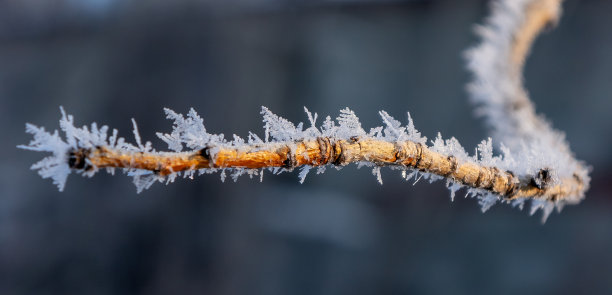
point(323, 151)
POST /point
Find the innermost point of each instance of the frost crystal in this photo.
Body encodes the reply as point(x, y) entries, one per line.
point(414, 134)
point(453, 187)
point(485, 148)
point(188, 131)
point(486, 201)
point(393, 130)
point(278, 128)
point(376, 172)
point(56, 166)
point(303, 172)
point(349, 125)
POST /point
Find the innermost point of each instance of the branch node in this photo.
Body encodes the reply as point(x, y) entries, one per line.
point(337, 153)
point(77, 159)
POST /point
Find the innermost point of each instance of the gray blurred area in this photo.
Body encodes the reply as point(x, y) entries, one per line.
point(338, 233)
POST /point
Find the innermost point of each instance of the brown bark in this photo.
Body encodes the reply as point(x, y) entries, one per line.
point(324, 151)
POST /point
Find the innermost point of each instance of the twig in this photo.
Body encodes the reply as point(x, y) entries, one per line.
point(324, 151)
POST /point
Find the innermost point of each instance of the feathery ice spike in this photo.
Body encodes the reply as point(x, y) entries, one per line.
point(536, 162)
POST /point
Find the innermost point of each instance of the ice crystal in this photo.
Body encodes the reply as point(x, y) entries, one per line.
point(376, 172)
point(393, 130)
point(188, 131)
point(56, 166)
point(277, 127)
point(453, 187)
point(414, 134)
point(303, 172)
point(348, 125)
point(486, 201)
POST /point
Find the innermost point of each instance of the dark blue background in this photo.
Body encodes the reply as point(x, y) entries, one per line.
point(339, 232)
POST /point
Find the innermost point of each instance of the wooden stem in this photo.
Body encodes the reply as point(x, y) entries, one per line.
point(330, 151)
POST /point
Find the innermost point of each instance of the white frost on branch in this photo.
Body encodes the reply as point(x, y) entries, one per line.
point(190, 132)
point(55, 166)
point(530, 144)
point(497, 91)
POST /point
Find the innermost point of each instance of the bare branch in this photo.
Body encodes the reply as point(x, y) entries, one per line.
point(324, 151)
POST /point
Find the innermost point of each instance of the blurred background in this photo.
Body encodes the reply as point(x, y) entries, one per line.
point(339, 232)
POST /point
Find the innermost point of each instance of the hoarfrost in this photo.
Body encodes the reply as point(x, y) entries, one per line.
point(189, 131)
point(144, 179)
point(376, 172)
point(328, 127)
point(438, 144)
point(303, 172)
point(485, 148)
point(141, 148)
point(486, 201)
point(376, 132)
point(518, 203)
point(497, 91)
point(277, 127)
point(393, 130)
point(253, 138)
point(349, 125)
point(453, 187)
point(311, 131)
point(56, 166)
point(414, 134)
